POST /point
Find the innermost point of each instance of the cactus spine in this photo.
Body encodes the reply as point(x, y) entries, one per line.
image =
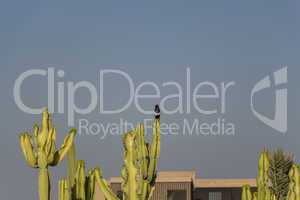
point(140, 160)
point(294, 186)
point(263, 190)
point(246, 193)
point(40, 151)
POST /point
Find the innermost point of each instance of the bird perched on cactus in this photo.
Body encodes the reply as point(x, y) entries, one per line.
point(140, 160)
point(40, 151)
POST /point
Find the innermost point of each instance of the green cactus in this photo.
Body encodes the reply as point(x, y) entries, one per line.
point(90, 185)
point(139, 169)
point(294, 186)
point(246, 193)
point(254, 196)
point(80, 181)
point(71, 165)
point(263, 181)
point(138, 172)
point(63, 190)
point(104, 186)
point(79, 185)
point(84, 185)
point(40, 151)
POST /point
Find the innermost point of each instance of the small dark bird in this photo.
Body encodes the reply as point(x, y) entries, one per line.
point(157, 111)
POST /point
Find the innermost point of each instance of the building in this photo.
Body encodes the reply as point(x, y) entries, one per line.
point(184, 185)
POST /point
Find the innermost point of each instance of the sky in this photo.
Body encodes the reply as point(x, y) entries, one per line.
point(157, 41)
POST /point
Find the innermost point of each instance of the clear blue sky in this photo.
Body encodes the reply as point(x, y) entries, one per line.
point(220, 40)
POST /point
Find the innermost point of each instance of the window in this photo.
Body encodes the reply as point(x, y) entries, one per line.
point(176, 195)
point(215, 196)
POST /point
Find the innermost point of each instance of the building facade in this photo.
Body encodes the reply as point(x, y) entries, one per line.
point(184, 185)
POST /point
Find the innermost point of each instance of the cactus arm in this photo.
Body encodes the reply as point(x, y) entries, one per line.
point(154, 150)
point(297, 181)
point(124, 176)
point(72, 165)
point(90, 185)
point(255, 196)
point(81, 186)
point(291, 193)
point(152, 153)
point(294, 186)
point(263, 189)
point(43, 135)
point(36, 135)
point(142, 151)
point(151, 192)
point(63, 190)
point(51, 146)
point(146, 187)
point(67, 192)
point(130, 184)
point(246, 193)
point(103, 185)
point(27, 149)
point(60, 154)
point(80, 180)
point(142, 160)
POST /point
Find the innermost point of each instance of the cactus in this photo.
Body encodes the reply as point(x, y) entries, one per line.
point(78, 185)
point(40, 151)
point(263, 181)
point(139, 169)
point(63, 190)
point(138, 172)
point(71, 165)
point(254, 196)
point(84, 185)
point(246, 193)
point(104, 186)
point(294, 186)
